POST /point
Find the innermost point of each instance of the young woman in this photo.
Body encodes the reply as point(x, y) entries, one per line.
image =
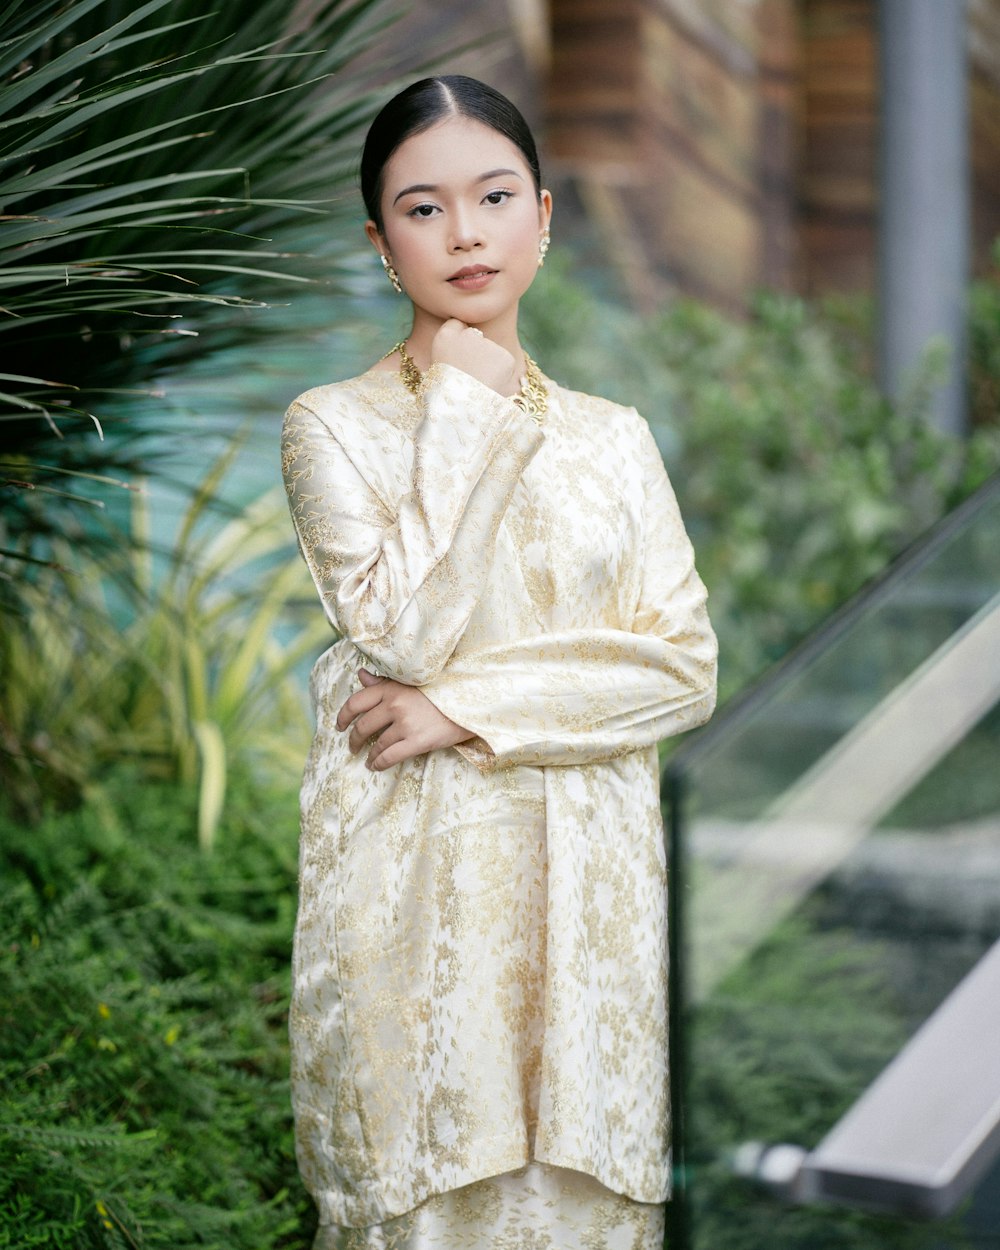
point(479, 1007)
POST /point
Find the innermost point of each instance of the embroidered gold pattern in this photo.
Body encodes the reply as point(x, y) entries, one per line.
point(480, 952)
point(534, 1208)
point(532, 398)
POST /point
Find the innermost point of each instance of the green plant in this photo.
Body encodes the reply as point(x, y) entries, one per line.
point(185, 674)
point(797, 478)
point(984, 346)
point(162, 172)
point(143, 1041)
point(776, 1054)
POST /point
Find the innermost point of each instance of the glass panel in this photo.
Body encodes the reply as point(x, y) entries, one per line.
point(835, 843)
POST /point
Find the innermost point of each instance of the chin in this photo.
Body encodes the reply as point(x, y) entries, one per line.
point(472, 314)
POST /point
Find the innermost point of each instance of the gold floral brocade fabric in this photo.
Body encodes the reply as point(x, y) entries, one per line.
point(534, 1208)
point(480, 953)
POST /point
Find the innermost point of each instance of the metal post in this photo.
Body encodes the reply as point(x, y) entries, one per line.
point(924, 195)
point(673, 792)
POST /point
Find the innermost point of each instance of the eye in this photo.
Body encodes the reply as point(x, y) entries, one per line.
point(422, 210)
point(498, 196)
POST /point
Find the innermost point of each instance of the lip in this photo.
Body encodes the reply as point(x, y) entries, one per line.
point(472, 277)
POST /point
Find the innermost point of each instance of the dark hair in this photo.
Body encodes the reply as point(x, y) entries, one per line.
point(420, 106)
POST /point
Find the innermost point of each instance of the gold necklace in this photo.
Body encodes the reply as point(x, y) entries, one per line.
point(532, 398)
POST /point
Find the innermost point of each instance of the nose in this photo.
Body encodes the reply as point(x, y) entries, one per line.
point(465, 234)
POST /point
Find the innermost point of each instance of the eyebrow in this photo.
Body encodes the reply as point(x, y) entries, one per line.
point(422, 187)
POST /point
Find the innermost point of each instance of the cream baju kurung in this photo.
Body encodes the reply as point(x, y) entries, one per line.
point(480, 955)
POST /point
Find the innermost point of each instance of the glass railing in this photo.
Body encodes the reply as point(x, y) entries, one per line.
point(835, 850)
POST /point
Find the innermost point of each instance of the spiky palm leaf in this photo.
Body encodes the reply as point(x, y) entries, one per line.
point(163, 170)
point(185, 675)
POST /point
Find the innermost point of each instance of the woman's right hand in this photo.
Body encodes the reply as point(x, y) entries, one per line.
point(468, 349)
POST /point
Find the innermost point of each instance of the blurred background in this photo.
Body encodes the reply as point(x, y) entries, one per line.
point(776, 235)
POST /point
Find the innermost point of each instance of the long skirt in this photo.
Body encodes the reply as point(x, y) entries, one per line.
point(535, 1208)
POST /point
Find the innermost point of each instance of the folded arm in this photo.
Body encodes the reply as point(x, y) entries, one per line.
point(587, 694)
point(401, 580)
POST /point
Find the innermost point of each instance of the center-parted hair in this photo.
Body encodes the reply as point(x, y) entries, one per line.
point(422, 105)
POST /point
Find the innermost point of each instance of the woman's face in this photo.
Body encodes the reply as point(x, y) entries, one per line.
point(462, 222)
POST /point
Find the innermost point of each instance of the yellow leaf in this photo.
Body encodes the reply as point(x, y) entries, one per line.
point(212, 784)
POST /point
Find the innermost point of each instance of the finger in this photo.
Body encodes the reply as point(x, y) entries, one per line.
point(404, 749)
point(374, 723)
point(367, 727)
point(448, 331)
point(367, 678)
point(380, 742)
point(359, 702)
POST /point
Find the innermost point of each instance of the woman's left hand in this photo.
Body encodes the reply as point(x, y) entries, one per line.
point(396, 722)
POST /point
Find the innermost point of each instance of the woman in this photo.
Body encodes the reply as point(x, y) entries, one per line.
point(479, 1016)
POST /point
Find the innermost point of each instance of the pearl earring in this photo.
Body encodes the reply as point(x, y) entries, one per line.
point(390, 273)
point(543, 246)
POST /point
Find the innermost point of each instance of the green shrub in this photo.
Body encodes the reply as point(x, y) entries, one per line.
point(187, 674)
point(143, 999)
point(777, 1053)
point(798, 480)
point(984, 346)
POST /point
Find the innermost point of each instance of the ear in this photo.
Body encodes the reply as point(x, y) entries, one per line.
point(544, 208)
point(376, 239)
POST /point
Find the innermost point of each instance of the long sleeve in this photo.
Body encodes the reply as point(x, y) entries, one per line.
point(539, 587)
point(400, 576)
point(588, 694)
